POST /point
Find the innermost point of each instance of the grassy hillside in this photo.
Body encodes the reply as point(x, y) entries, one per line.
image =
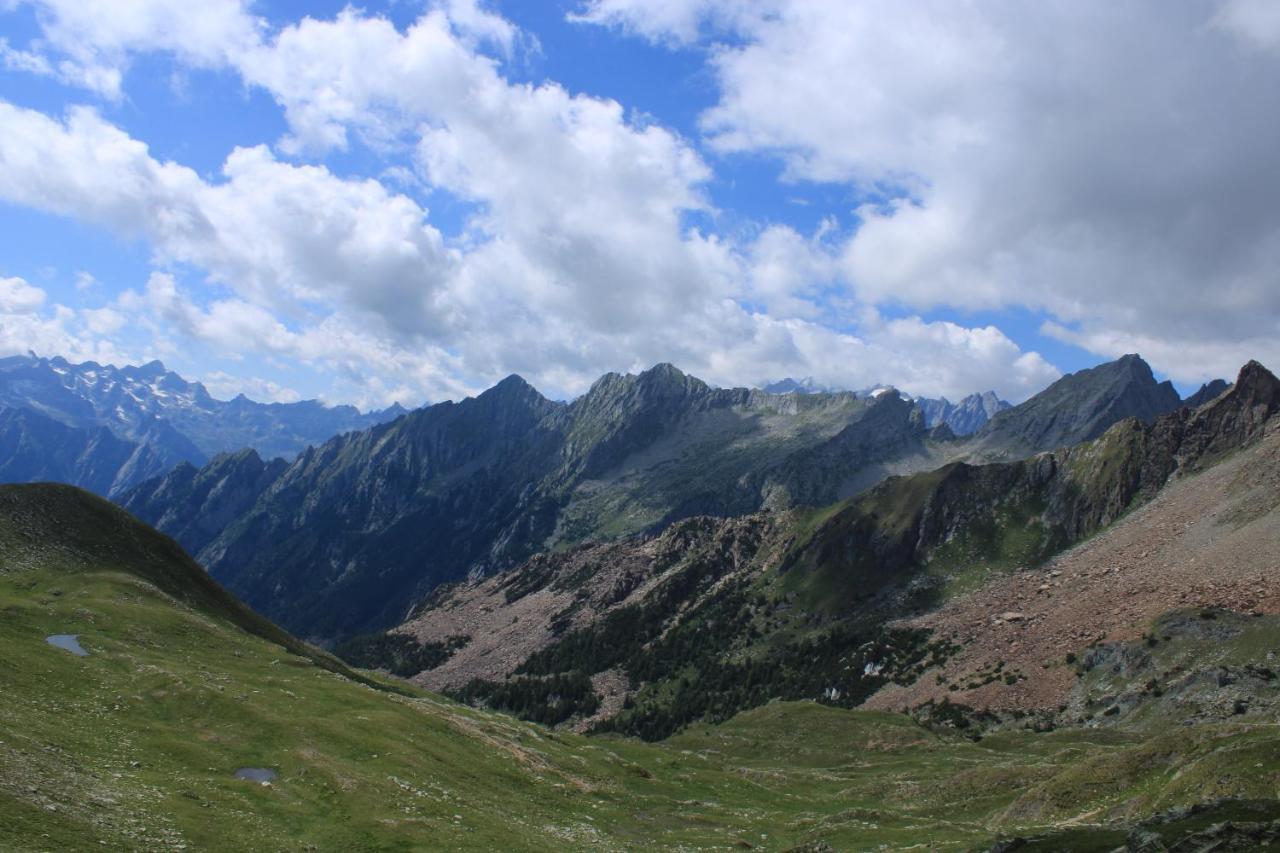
point(135, 745)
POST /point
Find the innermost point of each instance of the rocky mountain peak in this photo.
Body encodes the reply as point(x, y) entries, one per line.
point(1255, 381)
point(514, 387)
point(1208, 391)
point(148, 372)
point(789, 385)
point(1080, 407)
point(965, 417)
point(667, 379)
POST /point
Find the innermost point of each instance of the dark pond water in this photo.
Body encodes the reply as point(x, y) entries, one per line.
point(256, 774)
point(70, 642)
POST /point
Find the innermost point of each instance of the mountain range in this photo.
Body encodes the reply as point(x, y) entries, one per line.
point(965, 417)
point(1066, 651)
point(353, 533)
point(961, 418)
point(796, 604)
point(156, 418)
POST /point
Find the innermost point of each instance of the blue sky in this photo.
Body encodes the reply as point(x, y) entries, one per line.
point(407, 200)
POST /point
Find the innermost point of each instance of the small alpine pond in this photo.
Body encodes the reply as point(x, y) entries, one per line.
point(70, 642)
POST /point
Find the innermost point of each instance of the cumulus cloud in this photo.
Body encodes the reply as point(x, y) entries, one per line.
point(29, 322)
point(579, 256)
point(284, 235)
point(19, 297)
point(1109, 164)
point(95, 39)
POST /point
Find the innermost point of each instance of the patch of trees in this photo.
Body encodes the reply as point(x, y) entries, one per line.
point(715, 662)
point(399, 654)
point(548, 699)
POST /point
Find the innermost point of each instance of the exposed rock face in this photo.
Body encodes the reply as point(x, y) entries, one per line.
point(195, 505)
point(510, 616)
point(965, 417)
point(1208, 539)
point(1079, 407)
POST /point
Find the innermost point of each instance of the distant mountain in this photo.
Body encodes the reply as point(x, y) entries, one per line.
point(797, 386)
point(194, 505)
point(34, 447)
point(356, 530)
point(965, 417)
point(1208, 391)
point(962, 418)
point(1078, 407)
point(130, 401)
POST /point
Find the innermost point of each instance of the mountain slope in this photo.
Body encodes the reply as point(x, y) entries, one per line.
point(67, 530)
point(34, 447)
point(794, 605)
point(1207, 541)
point(137, 744)
point(195, 505)
point(1078, 407)
point(354, 532)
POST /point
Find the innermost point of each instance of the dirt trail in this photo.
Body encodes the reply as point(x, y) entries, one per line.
point(1211, 539)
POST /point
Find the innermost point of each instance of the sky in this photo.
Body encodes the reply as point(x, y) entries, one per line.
point(407, 201)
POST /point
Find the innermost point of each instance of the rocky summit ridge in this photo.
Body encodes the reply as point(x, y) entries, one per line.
point(352, 533)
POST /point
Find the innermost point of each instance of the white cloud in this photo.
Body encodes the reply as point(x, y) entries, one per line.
point(1111, 164)
point(1255, 21)
point(19, 297)
point(26, 61)
point(103, 321)
point(286, 236)
point(96, 38)
point(1190, 362)
point(579, 257)
point(29, 323)
point(225, 386)
point(679, 22)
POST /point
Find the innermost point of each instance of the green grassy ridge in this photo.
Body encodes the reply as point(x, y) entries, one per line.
point(77, 530)
point(135, 745)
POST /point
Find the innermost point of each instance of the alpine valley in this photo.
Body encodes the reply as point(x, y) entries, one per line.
point(662, 614)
